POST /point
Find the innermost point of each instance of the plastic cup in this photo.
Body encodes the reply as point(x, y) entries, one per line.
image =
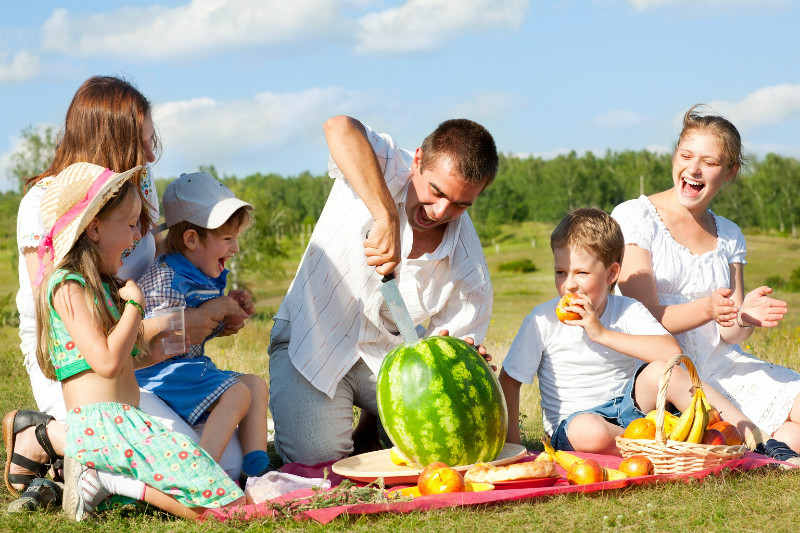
point(170, 321)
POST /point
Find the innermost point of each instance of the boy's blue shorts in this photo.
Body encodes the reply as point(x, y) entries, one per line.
point(620, 411)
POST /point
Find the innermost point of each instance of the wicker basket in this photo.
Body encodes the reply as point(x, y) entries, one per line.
point(673, 457)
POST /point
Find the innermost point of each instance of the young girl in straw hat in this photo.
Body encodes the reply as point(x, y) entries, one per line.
point(89, 333)
point(108, 123)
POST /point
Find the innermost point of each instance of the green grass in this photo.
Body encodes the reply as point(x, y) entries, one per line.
point(752, 501)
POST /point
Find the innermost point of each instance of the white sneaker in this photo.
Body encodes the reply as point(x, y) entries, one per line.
point(82, 490)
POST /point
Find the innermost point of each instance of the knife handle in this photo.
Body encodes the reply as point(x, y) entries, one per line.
point(387, 277)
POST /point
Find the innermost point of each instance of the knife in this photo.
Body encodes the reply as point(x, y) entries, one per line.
point(391, 293)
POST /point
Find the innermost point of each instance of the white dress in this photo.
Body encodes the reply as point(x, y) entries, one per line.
point(764, 392)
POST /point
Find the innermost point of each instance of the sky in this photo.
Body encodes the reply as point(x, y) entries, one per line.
point(246, 85)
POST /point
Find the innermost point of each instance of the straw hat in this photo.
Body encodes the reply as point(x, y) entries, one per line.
point(71, 201)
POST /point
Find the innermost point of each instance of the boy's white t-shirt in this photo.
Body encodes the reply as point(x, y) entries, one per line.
point(574, 372)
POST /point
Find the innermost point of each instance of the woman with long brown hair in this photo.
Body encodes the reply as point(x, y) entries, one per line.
point(109, 123)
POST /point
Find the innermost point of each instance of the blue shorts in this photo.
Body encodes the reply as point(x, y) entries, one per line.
point(189, 385)
point(620, 411)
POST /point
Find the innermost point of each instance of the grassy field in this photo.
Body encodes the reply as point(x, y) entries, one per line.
point(753, 501)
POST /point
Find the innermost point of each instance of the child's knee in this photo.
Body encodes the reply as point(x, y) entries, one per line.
point(259, 389)
point(240, 394)
point(591, 433)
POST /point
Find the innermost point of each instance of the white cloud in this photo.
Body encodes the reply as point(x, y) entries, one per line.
point(199, 27)
point(485, 106)
point(23, 66)
point(256, 134)
point(763, 107)
point(619, 119)
point(421, 25)
point(760, 150)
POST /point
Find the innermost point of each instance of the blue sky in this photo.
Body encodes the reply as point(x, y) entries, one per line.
point(246, 84)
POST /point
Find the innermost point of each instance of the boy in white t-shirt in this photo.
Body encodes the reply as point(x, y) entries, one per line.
point(591, 377)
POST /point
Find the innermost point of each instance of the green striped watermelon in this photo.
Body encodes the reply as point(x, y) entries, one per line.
point(439, 400)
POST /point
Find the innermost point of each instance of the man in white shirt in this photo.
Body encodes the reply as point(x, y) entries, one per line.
point(389, 210)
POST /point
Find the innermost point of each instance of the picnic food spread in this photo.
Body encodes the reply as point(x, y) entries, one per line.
point(439, 400)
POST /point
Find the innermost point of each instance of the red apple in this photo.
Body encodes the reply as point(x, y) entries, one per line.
point(713, 437)
point(584, 472)
point(561, 312)
point(637, 465)
point(428, 472)
point(438, 478)
point(729, 431)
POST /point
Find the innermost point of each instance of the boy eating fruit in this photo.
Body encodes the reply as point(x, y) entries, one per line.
point(591, 377)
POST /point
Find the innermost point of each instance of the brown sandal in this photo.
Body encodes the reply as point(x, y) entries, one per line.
point(13, 423)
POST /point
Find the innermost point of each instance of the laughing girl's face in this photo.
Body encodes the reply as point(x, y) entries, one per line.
point(698, 170)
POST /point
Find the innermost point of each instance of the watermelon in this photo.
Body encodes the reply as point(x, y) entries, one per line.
point(439, 400)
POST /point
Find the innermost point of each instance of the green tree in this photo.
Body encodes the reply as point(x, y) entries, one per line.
point(34, 155)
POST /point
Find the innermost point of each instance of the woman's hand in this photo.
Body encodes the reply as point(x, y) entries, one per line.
point(722, 308)
point(761, 310)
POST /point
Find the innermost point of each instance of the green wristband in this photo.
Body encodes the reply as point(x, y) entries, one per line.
point(137, 305)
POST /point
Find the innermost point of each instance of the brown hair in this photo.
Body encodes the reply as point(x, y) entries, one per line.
point(104, 126)
point(593, 230)
point(83, 258)
point(240, 220)
point(701, 119)
point(469, 146)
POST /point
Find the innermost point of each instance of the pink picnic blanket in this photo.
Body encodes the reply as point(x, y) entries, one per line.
point(747, 462)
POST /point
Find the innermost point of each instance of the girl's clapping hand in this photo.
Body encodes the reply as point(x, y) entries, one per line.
point(759, 309)
point(723, 309)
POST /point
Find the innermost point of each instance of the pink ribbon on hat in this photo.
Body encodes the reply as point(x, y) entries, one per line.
point(64, 220)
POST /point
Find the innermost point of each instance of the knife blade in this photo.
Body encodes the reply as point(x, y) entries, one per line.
point(391, 293)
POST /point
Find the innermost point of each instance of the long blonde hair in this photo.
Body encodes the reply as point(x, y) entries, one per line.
point(83, 259)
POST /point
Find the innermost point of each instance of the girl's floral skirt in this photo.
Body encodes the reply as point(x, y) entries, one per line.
point(120, 438)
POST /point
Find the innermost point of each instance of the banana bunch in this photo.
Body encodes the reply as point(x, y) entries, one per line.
point(692, 423)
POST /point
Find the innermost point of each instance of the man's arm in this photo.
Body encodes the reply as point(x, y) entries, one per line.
point(353, 154)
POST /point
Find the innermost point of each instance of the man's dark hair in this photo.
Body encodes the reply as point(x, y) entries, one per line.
point(469, 146)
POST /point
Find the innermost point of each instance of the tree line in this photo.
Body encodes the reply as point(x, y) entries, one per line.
point(762, 198)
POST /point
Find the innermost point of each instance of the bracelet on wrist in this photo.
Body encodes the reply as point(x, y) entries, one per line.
point(742, 325)
point(137, 305)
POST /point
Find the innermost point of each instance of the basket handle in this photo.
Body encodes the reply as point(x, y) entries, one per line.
point(661, 398)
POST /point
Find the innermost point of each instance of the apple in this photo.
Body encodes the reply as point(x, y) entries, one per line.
point(637, 465)
point(567, 300)
point(584, 472)
point(438, 478)
point(713, 437)
point(729, 432)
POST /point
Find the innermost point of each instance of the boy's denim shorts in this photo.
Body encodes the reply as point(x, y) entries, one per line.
point(620, 411)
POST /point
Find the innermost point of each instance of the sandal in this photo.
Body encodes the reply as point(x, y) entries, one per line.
point(13, 423)
point(41, 494)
